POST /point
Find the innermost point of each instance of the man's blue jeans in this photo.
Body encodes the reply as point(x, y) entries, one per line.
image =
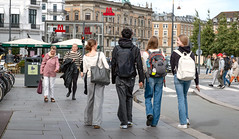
point(153, 89)
point(224, 77)
point(182, 90)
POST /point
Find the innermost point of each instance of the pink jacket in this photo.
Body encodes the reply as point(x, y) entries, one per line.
point(49, 65)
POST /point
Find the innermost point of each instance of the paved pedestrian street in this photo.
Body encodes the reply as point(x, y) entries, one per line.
point(34, 119)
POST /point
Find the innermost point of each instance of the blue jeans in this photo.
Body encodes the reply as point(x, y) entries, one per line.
point(208, 69)
point(182, 90)
point(224, 77)
point(153, 89)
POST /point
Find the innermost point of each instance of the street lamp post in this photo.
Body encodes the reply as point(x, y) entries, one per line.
point(172, 28)
point(10, 20)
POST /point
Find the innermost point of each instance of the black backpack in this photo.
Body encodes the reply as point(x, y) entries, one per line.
point(125, 62)
point(228, 63)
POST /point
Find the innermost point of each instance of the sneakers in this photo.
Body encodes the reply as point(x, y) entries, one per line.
point(149, 120)
point(229, 84)
point(182, 126)
point(188, 123)
point(210, 85)
point(123, 126)
point(130, 124)
point(68, 94)
point(223, 86)
point(219, 86)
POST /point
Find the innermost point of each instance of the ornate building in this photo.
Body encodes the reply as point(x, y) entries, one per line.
point(162, 27)
point(126, 15)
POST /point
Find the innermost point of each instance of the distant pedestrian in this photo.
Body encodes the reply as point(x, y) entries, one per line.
point(154, 83)
point(208, 64)
point(214, 69)
point(77, 59)
point(221, 71)
point(182, 86)
point(124, 58)
point(227, 67)
point(95, 92)
point(235, 71)
point(49, 68)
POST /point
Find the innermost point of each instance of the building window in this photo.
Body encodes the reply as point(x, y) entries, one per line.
point(135, 22)
point(138, 22)
point(76, 15)
point(165, 25)
point(125, 20)
point(156, 33)
point(67, 29)
point(118, 20)
point(174, 33)
point(108, 41)
point(142, 33)
point(54, 17)
point(54, 7)
point(135, 32)
point(54, 29)
point(131, 21)
point(156, 25)
point(174, 41)
point(142, 23)
point(165, 33)
point(149, 24)
point(164, 41)
point(96, 17)
point(33, 2)
point(15, 21)
point(32, 17)
point(43, 6)
point(149, 34)
point(175, 26)
point(67, 16)
point(77, 27)
point(1, 20)
point(43, 18)
point(87, 16)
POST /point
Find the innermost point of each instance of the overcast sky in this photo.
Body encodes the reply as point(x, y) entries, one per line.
point(188, 6)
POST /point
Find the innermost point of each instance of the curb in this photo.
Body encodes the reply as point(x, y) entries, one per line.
point(174, 124)
point(210, 99)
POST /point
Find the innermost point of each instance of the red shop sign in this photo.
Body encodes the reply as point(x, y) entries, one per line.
point(109, 12)
point(60, 29)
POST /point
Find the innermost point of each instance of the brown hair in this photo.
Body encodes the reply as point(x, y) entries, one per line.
point(53, 47)
point(152, 43)
point(90, 44)
point(184, 39)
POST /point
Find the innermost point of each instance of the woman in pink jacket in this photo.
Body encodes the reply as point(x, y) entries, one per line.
point(49, 67)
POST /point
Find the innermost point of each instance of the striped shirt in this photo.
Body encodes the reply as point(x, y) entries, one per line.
point(74, 55)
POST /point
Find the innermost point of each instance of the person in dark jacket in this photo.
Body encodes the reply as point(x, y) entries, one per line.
point(214, 69)
point(77, 59)
point(180, 85)
point(125, 85)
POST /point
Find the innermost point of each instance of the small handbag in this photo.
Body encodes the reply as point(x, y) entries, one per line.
point(39, 88)
point(98, 75)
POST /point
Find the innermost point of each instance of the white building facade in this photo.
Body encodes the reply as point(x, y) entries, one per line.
point(53, 10)
point(25, 20)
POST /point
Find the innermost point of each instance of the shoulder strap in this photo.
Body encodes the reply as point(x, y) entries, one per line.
point(178, 52)
point(98, 59)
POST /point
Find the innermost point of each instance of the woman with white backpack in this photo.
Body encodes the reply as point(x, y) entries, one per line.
point(184, 70)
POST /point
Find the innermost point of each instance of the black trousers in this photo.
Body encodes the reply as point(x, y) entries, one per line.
point(74, 82)
point(124, 88)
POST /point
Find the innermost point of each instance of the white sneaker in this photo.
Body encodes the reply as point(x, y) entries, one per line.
point(188, 123)
point(130, 124)
point(123, 126)
point(182, 126)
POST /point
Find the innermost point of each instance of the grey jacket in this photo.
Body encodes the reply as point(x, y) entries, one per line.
point(221, 64)
point(215, 64)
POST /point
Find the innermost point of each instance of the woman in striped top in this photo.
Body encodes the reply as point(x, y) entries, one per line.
point(77, 58)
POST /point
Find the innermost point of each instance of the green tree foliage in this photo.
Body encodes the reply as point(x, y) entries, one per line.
point(233, 45)
point(207, 37)
point(15, 51)
point(194, 37)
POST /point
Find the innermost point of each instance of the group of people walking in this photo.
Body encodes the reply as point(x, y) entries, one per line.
point(126, 63)
point(221, 66)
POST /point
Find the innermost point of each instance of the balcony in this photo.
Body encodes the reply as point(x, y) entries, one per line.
point(34, 3)
point(13, 25)
point(56, 11)
point(35, 26)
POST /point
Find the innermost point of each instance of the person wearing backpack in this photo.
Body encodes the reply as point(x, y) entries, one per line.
point(125, 57)
point(154, 64)
point(226, 68)
point(184, 70)
point(214, 69)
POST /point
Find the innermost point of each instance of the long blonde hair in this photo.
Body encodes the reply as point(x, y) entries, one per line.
point(152, 43)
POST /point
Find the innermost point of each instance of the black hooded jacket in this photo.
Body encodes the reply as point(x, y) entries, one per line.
point(69, 68)
point(127, 43)
point(175, 58)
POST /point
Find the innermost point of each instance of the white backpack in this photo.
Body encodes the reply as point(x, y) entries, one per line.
point(186, 66)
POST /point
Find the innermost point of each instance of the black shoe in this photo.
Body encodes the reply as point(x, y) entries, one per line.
point(68, 94)
point(219, 86)
point(149, 120)
point(229, 84)
point(73, 98)
point(211, 85)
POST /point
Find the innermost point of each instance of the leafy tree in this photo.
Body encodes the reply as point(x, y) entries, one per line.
point(194, 37)
point(233, 33)
point(208, 37)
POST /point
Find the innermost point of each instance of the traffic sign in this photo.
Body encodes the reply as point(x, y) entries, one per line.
point(197, 52)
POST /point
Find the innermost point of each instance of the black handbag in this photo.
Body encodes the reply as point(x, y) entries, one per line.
point(98, 75)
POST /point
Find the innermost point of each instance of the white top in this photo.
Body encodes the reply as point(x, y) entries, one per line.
point(146, 56)
point(89, 61)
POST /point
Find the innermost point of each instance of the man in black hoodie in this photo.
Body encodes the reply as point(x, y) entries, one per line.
point(124, 59)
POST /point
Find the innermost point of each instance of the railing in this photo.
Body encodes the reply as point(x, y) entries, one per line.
point(35, 26)
point(20, 26)
point(34, 2)
point(57, 11)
